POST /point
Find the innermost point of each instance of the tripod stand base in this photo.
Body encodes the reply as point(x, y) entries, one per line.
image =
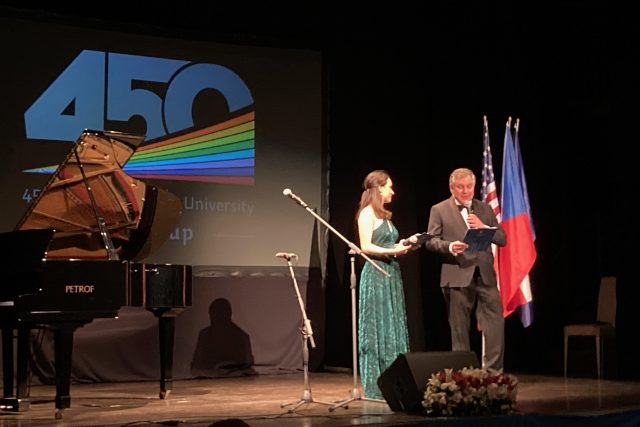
point(305, 399)
point(355, 395)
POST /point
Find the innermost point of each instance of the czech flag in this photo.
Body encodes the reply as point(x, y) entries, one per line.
point(516, 259)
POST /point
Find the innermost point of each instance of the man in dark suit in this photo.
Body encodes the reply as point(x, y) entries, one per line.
point(468, 276)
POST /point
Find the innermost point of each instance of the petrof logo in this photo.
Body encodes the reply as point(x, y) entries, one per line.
point(79, 289)
point(101, 87)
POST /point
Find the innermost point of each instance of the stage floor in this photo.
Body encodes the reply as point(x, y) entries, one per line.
point(257, 400)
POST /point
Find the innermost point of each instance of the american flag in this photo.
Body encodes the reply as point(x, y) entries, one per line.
point(488, 191)
point(489, 194)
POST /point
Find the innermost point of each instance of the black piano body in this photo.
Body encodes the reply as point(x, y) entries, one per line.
point(77, 255)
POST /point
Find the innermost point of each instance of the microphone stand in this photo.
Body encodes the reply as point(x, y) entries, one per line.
point(354, 249)
point(355, 392)
point(307, 337)
point(351, 245)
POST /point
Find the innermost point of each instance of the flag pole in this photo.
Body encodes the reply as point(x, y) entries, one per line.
point(485, 136)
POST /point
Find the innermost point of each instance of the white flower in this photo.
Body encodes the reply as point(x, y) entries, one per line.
point(469, 392)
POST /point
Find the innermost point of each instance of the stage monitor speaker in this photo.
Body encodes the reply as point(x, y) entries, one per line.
point(403, 383)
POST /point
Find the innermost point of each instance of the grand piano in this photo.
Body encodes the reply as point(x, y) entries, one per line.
point(78, 254)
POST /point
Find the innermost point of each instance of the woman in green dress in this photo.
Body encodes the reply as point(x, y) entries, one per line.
point(382, 320)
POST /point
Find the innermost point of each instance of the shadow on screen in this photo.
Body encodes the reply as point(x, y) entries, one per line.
point(223, 348)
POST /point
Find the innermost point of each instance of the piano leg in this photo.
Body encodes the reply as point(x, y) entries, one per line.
point(7, 362)
point(23, 368)
point(166, 330)
point(20, 401)
point(63, 347)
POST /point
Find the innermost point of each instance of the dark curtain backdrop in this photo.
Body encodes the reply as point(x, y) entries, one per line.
point(411, 101)
point(406, 91)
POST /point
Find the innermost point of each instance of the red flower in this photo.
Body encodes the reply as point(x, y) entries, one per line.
point(469, 392)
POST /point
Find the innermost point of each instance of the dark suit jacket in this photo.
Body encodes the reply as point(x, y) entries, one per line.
point(447, 225)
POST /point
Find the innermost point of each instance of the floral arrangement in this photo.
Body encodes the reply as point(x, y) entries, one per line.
point(470, 391)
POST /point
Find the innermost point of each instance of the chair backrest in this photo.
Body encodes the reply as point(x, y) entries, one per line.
point(607, 300)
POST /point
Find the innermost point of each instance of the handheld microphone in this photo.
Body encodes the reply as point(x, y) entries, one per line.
point(287, 192)
point(469, 207)
point(412, 240)
point(416, 240)
point(286, 255)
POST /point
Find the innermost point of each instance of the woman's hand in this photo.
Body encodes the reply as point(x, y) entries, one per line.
point(400, 249)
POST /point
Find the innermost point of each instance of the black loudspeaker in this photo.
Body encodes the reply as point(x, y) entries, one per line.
point(403, 383)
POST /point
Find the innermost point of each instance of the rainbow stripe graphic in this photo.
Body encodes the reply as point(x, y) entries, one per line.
point(223, 153)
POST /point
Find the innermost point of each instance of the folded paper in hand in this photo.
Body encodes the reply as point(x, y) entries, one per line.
point(417, 239)
point(479, 239)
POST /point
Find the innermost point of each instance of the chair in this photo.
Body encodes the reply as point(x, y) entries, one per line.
point(605, 325)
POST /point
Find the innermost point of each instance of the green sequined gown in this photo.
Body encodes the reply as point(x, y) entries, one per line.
point(382, 319)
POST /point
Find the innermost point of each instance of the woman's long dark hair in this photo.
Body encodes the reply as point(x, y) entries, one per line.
point(371, 194)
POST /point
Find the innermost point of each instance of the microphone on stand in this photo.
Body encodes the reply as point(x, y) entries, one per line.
point(287, 192)
point(286, 255)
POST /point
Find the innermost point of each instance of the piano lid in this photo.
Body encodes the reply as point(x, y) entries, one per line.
point(138, 217)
